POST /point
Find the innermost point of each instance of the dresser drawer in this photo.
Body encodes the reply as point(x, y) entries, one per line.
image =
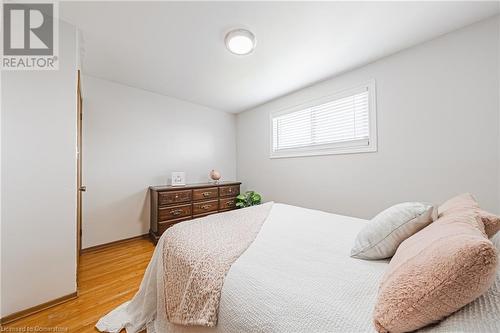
point(162, 226)
point(205, 193)
point(227, 203)
point(226, 191)
point(172, 197)
point(206, 214)
point(205, 207)
point(173, 212)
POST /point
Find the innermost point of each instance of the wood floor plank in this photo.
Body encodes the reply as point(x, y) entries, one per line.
point(107, 277)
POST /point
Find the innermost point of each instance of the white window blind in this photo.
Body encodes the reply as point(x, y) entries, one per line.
point(334, 123)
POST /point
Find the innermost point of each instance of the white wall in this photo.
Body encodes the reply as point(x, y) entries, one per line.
point(498, 78)
point(38, 227)
point(438, 130)
point(133, 139)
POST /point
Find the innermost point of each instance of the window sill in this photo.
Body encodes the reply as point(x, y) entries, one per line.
point(321, 152)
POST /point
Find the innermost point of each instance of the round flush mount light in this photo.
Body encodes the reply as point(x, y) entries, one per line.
point(240, 41)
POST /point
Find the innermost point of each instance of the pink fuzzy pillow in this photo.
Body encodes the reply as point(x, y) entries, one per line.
point(466, 202)
point(460, 202)
point(491, 222)
point(435, 272)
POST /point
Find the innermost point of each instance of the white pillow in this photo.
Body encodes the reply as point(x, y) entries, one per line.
point(380, 238)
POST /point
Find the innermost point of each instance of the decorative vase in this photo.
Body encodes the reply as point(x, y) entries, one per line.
point(215, 175)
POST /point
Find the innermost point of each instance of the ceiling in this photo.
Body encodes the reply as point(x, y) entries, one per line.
point(177, 49)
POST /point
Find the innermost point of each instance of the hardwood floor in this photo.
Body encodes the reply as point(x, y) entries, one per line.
point(107, 278)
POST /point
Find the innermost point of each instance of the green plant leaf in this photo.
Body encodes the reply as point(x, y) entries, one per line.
point(249, 198)
point(256, 198)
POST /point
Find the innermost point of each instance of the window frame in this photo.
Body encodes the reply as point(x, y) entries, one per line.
point(337, 147)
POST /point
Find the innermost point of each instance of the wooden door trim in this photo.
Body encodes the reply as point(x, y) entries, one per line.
point(79, 106)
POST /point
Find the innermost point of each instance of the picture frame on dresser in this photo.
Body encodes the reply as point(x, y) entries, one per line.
point(175, 204)
point(178, 178)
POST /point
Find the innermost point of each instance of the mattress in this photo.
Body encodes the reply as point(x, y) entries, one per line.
point(297, 276)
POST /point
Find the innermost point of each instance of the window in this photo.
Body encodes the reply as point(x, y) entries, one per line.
point(338, 124)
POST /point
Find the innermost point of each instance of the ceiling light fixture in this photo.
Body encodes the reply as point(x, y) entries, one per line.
point(240, 41)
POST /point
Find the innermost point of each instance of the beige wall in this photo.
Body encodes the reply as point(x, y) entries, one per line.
point(438, 130)
point(133, 139)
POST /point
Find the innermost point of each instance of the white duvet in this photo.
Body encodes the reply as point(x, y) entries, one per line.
point(297, 276)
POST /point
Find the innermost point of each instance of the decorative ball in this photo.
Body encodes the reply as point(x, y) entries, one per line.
point(215, 175)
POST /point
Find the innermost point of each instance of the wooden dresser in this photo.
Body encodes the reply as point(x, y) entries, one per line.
point(174, 204)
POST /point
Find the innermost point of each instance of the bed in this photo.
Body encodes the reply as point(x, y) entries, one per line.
point(296, 276)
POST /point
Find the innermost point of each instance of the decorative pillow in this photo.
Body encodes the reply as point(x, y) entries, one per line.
point(381, 237)
point(491, 222)
point(435, 272)
point(467, 202)
point(460, 202)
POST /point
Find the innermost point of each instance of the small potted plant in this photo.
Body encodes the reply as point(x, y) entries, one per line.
point(249, 198)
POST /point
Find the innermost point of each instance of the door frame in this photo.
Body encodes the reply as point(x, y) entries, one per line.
point(79, 187)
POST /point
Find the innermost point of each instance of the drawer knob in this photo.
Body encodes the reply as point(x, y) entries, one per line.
point(230, 190)
point(177, 196)
point(176, 212)
point(206, 207)
point(229, 203)
point(206, 194)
